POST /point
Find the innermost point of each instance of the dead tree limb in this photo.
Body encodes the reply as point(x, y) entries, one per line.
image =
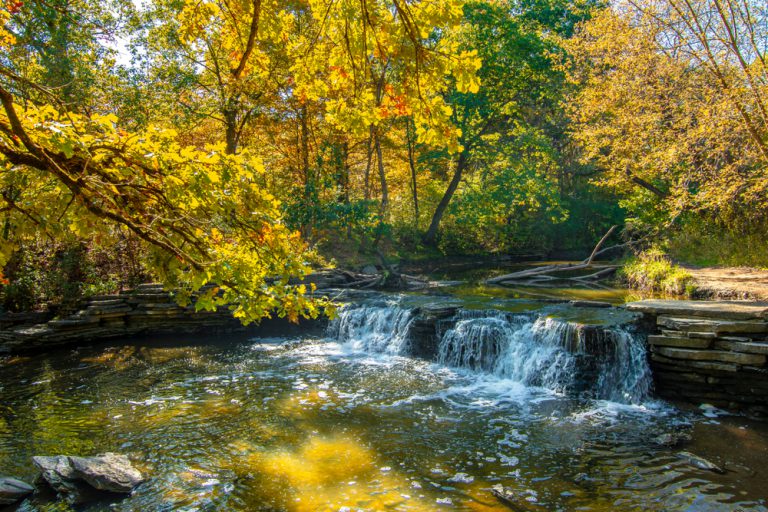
point(545, 270)
point(588, 261)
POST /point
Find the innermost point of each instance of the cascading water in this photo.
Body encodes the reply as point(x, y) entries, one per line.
point(379, 328)
point(591, 361)
point(604, 363)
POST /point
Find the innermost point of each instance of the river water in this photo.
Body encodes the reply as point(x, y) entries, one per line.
point(347, 420)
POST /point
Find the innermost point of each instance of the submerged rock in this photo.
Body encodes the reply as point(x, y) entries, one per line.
point(12, 490)
point(107, 472)
point(514, 502)
point(700, 462)
point(672, 439)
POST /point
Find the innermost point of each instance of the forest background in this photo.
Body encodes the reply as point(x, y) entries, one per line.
point(242, 142)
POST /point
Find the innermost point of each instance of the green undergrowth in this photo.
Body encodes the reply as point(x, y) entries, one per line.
point(708, 244)
point(652, 271)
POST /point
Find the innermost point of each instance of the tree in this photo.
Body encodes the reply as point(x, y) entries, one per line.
point(652, 111)
point(203, 210)
point(510, 128)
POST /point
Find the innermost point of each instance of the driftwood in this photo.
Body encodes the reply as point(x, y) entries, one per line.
point(338, 278)
point(534, 276)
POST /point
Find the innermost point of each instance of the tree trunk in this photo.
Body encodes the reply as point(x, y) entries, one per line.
point(230, 120)
point(412, 164)
point(430, 237)
point(382, 175)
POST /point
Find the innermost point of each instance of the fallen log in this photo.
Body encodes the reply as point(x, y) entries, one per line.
point(545, 270)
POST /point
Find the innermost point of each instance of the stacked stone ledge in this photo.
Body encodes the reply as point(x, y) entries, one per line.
point(714, 352)
point(147, 309)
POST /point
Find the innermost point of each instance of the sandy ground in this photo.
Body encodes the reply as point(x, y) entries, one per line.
point(731, 282)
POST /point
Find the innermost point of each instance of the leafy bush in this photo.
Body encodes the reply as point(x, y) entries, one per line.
point(54, 276)
point(653, 271)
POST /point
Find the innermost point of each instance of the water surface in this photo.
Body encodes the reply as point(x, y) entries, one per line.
point(317, 423)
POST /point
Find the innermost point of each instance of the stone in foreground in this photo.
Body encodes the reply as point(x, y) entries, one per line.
point(57, 472)
point(508, 497)
point(700, 462)
point(108, 472)
point(12, 490)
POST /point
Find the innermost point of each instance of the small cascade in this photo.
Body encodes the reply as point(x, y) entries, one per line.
point(381, 328)
point(477, 338)
point(590, 361)
point(595, 362)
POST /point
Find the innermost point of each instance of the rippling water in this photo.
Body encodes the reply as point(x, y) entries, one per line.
point(314, 424)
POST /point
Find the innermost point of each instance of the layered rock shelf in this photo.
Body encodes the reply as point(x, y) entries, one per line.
point(714, 352)
point(146, 310)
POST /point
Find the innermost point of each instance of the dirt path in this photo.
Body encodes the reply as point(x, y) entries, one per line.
point(731, 283)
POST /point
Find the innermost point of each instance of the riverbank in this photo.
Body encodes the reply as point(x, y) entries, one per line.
point(729, 282)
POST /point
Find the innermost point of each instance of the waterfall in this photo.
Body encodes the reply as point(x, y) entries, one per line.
point(373, 328)
point(596, 362)
point(580, 360)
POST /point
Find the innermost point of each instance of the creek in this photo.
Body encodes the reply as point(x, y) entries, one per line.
point(514, 391)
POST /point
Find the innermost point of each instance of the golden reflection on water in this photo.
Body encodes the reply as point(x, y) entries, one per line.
point(118, 358)
point(330, 472)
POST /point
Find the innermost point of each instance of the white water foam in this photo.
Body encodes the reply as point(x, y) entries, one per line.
point(516, 351)
point(374, 328)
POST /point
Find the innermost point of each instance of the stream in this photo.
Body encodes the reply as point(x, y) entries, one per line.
point(344, 420)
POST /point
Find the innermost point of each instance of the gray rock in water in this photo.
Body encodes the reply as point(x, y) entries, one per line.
point(700, 462)
point(12, 490)
point(108, 472)
point(672, 439)
point(57, 472)
point(370, 269)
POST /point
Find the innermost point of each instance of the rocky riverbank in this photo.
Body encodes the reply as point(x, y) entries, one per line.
point(714, 352)
point(147, 310)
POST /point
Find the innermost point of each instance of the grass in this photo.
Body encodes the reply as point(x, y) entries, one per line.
point(707, 245)
point(652, 271)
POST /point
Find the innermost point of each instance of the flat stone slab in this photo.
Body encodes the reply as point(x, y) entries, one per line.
point(739, 345)
point(731, 310)
point(711, 355)
point(73, 323)
point(687, 365)
point(687, 324)
point(679, 341)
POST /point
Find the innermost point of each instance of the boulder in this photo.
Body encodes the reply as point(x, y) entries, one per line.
point(108, 472)
point(57, 472)
point(672, 439)
point(12, 490)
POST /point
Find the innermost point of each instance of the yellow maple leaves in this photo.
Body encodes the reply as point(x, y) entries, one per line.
point(204, 218)
point(7, 8)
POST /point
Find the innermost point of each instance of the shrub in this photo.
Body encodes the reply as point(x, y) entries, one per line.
point(653, 271)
